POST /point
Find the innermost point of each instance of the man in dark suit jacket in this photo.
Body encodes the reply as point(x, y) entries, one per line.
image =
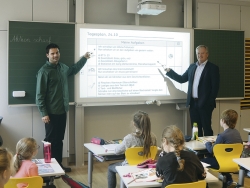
point(203, 85)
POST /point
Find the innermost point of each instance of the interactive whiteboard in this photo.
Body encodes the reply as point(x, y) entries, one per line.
point(124, 65)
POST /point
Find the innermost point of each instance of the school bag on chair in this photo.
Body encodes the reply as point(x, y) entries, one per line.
point(73, 183)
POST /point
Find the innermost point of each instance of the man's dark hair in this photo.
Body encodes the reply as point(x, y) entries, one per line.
point(51, 45)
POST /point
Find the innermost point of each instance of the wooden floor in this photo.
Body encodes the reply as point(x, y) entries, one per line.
point(100, 177)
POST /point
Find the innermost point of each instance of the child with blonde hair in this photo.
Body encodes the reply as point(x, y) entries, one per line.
point(26, 148)
point(176, 165)
point(142, 137)
point(5, 166)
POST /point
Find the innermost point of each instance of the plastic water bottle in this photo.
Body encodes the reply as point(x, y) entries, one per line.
point(195, 131)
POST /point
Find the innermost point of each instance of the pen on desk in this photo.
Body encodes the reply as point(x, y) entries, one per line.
point(199, 140)
point(132, 181)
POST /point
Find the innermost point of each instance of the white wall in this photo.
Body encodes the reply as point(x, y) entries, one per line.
point(107, 122)
point(19, 122)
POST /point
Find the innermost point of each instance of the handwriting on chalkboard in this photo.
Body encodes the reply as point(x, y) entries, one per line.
point(38, 39)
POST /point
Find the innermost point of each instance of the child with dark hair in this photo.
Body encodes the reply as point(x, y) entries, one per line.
point(142, 137)
point(229, 136)
point(5, 166)
point(176, 165)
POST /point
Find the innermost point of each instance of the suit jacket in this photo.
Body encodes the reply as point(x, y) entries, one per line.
point(208, 86)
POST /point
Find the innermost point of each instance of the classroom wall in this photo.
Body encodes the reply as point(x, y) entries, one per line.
point(108, 122)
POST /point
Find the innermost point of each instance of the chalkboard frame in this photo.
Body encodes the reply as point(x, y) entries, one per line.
point(227, 51)
point(26, 51)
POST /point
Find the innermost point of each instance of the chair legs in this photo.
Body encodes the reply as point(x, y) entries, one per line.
point(224, 179)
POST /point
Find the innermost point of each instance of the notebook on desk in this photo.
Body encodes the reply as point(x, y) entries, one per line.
point(109, 147)
point(207, 139)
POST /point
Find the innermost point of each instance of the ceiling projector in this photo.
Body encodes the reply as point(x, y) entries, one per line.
point(150, 7)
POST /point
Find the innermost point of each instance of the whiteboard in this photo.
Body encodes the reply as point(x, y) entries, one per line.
point(125, 63)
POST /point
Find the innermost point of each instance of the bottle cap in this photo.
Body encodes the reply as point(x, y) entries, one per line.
point(195, 124)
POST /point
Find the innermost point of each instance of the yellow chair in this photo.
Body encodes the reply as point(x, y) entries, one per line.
point(224, 154)
point(135, 155)
point(33, 182)
point(197, 184)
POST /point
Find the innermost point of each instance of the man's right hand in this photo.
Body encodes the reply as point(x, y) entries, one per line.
point(167, 69)
point(45, 119)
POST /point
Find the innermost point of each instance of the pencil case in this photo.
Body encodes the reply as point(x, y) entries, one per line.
point(96, 140)
point(149, 163)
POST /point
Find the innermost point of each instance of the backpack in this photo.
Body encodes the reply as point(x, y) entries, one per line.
point(73, 183)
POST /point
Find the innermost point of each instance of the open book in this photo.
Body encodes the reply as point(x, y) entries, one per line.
point(148, 174)
point(205, 139)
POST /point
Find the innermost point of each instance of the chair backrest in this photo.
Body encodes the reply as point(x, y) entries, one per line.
point(225, 153)
point(197, 184)
point(32, 182)
point(135, 155)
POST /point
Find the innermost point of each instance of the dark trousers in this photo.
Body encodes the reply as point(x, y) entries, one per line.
point(202, 116)
point(55, 131)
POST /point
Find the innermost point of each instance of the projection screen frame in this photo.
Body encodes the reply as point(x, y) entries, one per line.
point(133, 100)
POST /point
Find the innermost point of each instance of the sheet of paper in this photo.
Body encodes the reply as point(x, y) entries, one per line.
point(110, 147)
point(145, 175)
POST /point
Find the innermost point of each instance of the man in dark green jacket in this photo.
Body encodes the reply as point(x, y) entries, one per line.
point(52, 97)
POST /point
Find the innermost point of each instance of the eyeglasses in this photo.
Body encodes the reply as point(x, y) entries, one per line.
point(37, 147)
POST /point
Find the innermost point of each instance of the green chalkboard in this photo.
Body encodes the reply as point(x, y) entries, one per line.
point(226, 50)
point(27, 43)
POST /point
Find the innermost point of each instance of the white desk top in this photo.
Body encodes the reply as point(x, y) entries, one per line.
point(247, 129)
point(123, 170)
point(244, 162)
point(56, 167)
point(195, 145)
point(98, 149)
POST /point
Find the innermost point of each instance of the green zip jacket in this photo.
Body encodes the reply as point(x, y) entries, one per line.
point(52, 93)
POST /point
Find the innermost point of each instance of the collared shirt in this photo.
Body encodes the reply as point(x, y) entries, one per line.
point(197, 77)
point(52, 95)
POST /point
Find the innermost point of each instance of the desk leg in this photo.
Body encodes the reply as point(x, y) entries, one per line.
point(122, 184)
point(90, 168)
point(241, 177)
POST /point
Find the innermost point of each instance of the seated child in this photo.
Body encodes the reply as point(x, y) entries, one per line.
point(176, 165)
point(26, 148)
point(5, 166)
point(229, 136)
point(142, 137)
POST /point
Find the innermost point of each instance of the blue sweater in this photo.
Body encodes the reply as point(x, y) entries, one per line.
point(229, 136)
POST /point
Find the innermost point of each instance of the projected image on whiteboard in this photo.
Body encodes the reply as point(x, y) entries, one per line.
point(126, 62)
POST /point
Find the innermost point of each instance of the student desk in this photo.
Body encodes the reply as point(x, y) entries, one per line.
point(123, 170)
point(94, 149)
point(244, 164)
point(195, 145)
point(58, 171)
point(198, 146)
